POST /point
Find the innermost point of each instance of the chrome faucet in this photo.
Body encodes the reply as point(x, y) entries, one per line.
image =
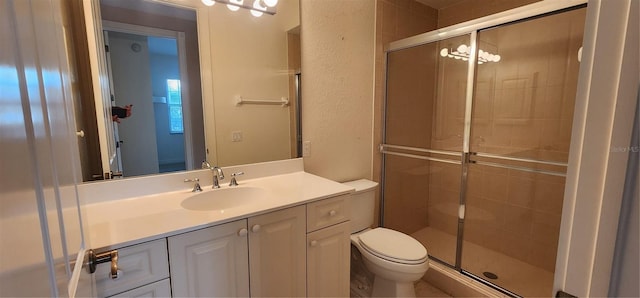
point(217, 173)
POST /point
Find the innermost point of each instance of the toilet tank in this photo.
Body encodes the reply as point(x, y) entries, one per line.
point(363, 203)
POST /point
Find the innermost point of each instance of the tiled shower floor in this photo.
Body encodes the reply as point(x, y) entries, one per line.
point(514, 275)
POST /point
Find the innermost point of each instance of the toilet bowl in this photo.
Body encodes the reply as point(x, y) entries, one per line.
point(396, 260)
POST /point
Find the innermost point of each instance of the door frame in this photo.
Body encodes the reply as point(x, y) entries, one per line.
point(184, 77)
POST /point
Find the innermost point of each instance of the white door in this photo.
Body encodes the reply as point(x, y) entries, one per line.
point(115, 163)
point(43, 241)
point(277, 253)
point(211, 262)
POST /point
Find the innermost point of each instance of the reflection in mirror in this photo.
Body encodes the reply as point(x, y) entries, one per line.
point(153, 65)
point(182, 65)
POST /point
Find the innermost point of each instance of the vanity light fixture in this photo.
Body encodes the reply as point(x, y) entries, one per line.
point(258, 8)
point(463, 51)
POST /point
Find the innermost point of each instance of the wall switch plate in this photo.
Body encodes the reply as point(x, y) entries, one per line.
point(236, 136)
point(306, 148)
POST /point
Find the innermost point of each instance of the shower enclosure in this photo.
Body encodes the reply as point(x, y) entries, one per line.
point(476, 141)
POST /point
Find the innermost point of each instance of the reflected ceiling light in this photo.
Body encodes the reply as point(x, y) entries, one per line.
point(463, 52)
point(270, 3)
point(234, 5)
point(258, 8)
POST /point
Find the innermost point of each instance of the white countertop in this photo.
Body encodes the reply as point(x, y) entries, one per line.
point(124, 212)
point(123, 222)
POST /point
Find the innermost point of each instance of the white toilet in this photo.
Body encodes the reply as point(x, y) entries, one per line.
point(397, 260)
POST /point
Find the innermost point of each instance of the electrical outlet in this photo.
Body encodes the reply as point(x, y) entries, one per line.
point(306, 148)
point(236, 136)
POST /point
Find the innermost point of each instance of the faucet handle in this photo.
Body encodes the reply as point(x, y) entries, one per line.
point(233, 178)
point(196, 185)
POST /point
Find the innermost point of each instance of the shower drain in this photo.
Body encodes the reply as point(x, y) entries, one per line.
point(490, 275)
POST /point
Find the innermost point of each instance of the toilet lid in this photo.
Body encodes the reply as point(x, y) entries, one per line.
point(393, 246)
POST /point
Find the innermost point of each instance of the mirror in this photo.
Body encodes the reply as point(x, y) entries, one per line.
point(184, 66)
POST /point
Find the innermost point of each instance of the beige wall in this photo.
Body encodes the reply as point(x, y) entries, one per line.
point(337, 39)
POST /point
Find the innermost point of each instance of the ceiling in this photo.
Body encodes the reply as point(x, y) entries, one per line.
point(438, 4)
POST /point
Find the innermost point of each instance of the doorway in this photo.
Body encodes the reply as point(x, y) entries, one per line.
point(147, 71)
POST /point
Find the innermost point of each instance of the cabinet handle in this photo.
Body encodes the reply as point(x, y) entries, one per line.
point(255, 228)
point(243, 232)
point(313, 243)
point(115, 273)
point(332, 213)
point(94, 259)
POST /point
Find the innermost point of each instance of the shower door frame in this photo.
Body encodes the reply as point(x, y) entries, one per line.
point(471, 28)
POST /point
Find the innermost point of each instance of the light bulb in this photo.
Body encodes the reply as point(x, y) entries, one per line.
point(234, 5)
point(257, 12)
point(444, 52)
point(463, 48)
point(496, 58)
point(208, 2)
point(270, 3)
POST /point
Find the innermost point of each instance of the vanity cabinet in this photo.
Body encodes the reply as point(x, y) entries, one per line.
point(328, 247)
point(218, 261)
point(293, 252)
point(142, 267)
point(211, 262)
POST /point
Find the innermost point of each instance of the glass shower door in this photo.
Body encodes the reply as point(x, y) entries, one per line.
point(423, 142)
point(519, 143)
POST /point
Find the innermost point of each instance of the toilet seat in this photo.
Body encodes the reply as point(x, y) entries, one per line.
point(393, 246)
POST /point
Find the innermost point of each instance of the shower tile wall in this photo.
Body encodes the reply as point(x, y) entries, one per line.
point(473, 9)
point(395, 19)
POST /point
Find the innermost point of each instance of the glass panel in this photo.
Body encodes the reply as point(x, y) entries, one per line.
point(511, 228)
point(421, 199)
point(426, 96)
point(426, 88)
point(523, 103)
point(523, 107)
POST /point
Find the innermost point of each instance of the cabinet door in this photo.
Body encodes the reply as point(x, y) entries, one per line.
point(328, 261)
point(277, 253)
point(211, 262)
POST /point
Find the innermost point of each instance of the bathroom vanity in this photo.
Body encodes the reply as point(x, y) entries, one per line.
point(281, 232)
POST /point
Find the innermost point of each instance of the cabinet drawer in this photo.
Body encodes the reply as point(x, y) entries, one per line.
point(138, 265)
point(157, 289)
point(327, 212)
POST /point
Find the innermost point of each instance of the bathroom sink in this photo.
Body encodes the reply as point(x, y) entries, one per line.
point(221, 199)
